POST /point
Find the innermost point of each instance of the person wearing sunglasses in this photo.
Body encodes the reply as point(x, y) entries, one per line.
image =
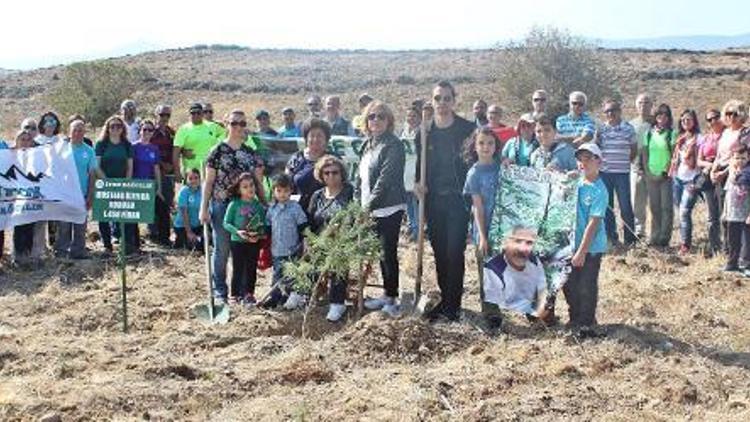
point(49, 129)
point(382, 193)
point(325, 203)
point(576, 127)
point(639, 193)
point(114, 154)
point(708, 145)
point(447, 214)
point(193, 141)
point(224, 165)
point(301, 165)
point(617, 141)
point(538, 103)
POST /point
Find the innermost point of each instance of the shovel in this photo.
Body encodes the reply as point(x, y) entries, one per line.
point(210, 313)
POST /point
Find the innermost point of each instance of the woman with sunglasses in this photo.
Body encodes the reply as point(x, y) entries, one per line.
point(684, 170)
point(707, 150)
point(325, 203)
point(446, 207)
point(114, 154)
point(317, 133)
point(381, 186)
point(224, 165)
point(146, 160)
point(49, 131)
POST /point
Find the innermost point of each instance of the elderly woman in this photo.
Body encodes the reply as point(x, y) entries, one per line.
point(381, 176)
point(519, 148)
point(325, 202)
point(317, 133)
point(23, 235)
point(224, 165)
point(114, 154)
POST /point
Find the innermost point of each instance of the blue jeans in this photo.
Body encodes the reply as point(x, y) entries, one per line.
point(685, 196)
point(278, 273)
point(221, 251)
point(619, 184)
point(712, 197)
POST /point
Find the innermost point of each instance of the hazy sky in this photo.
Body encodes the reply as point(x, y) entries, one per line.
point(46, 32)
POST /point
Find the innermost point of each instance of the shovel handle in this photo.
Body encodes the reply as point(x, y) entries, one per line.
point(207, 253)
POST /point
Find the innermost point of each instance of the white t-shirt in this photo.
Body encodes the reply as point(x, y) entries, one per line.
point(134, 130)
point(509, 288)
point(42, 139)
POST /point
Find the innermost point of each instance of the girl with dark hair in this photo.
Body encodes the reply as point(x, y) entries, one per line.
point(49, 129)
point(245, 220)
point(684, 170)
point(657, 154)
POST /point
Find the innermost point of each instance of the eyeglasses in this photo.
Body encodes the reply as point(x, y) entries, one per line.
point(331, 173)
point(442, 98)
point(115, 126)
point(576, 103)
point(539, 100)
point(240, 124)
point(375, 116)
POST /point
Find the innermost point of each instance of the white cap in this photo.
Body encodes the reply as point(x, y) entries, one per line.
point(590, 147)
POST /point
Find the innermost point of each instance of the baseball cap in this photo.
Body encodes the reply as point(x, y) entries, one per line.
point(590, 147)
point(196, 107)
point(261, 114)
point(287, 110)
point(527, 117)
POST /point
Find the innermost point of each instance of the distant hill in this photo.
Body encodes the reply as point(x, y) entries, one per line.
point(692, 42)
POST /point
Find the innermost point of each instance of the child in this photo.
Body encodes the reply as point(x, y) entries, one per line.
point(552, 153)
point(737, 205)
point(285, 220)
point(188, 207)
point(481, 185)
point(582, 290)
point(244, 220)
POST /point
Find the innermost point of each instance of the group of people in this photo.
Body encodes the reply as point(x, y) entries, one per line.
point(220, 169)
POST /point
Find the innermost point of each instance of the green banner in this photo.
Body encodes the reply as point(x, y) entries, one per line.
point(124, 200)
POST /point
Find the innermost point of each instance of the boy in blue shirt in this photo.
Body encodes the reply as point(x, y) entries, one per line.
point(582, 290)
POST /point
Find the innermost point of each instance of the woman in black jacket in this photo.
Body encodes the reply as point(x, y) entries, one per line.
point(381, 186)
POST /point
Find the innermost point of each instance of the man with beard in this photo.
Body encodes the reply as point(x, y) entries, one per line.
point(515, 280)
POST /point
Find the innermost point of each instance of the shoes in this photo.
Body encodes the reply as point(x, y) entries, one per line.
point(335, 311)
point(393, 310)
point(249, 301)
point(494, 321)
point(374, 304)
point(294, 301)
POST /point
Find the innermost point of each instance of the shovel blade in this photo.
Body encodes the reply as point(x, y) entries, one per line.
point(220, 314)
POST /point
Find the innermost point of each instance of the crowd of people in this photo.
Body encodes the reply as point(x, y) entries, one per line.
point(213, 173)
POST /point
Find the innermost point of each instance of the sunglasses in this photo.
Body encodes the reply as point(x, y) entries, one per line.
point(29, 128)
point(442, 98)
point(731, 114)
point(576, 103)
point(240, 124)
point(331, 173)
point(375, 116)
point(539, 100)
point(712, 118)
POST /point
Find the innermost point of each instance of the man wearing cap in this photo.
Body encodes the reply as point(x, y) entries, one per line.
point(616, 138)
point(192, 142)
point(128, 111)
point(582, 289)
point(339, 125)
point(576, 127)
point(290, 128)
point(263, 118)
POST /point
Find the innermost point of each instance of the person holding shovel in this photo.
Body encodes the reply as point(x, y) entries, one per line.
point(446, 209)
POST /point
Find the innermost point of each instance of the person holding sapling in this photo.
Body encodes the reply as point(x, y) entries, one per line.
point(582, 289)
point(552, 153)
point(737, 205)
point(245, 221)
point(481, 186)
point(336, 194)
point(285, 223)
point(187, 224)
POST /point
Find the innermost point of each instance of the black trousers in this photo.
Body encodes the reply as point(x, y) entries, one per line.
point(737, 235)
point(582, 291)
point(23, 239)
point(244, 267)
point(132, 238)
point(448, 222)
point(388, 229)
point(2, 243)
point(162, 222)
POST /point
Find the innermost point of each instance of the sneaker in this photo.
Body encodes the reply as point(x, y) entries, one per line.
point(235, 300)
point(335, 311)
point(374, 304)
point(392, 309)
point(249, 301)
point(295, 301)
point(494, 322)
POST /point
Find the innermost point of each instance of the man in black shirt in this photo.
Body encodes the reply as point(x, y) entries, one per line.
point(446, 209)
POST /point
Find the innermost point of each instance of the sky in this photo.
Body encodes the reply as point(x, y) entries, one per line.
point(66, 31)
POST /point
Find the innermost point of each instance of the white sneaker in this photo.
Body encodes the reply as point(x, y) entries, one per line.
point(374, 304)
point(335, 311)
point(294, 301)
point(393, 310)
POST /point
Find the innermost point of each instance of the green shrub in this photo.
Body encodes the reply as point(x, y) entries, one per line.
point(95, 89)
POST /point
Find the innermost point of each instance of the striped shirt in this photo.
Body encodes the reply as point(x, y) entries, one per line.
point(570, 125)
point(616, 143)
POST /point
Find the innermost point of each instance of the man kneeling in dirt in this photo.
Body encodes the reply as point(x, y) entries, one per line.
point(515, 280)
